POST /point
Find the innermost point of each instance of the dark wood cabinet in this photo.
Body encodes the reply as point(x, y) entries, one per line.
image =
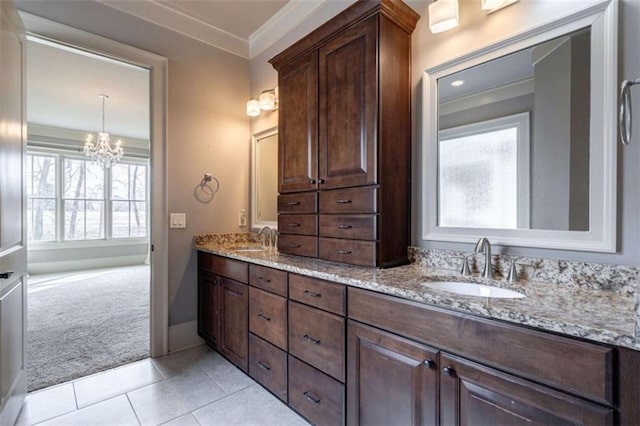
point(345, 124)
point(390, 380)
point(223, 307)
point(473, 394)
point(298, 133)
point(234, 328)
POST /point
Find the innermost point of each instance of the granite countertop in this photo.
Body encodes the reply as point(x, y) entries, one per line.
point(599, 315)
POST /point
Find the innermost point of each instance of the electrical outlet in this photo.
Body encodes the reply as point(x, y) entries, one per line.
point(178, 220)
point(242, 218)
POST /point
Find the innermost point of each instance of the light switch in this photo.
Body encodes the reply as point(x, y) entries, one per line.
point(177, 220)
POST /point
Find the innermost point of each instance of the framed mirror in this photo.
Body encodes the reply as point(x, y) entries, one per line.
point(520, 138)
point(264, 180)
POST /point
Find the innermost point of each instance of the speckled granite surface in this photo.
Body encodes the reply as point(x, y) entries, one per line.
point(602, 313)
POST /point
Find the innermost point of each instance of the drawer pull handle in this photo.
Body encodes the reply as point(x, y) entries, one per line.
point(312, 294)
point(321, 181)
point(266, 280)
point(264, 366)
point(294, 225)
point(345, 226)
point(429, 364)
point(311, 398)
point(343, 201)
point(293, 203)
point(294, 245)
point(264, 317)
point(449, 371)
point(311, 339)
point(343, 251)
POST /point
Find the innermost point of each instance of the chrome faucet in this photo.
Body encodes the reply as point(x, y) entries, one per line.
point(484, 246)
point(264, 231)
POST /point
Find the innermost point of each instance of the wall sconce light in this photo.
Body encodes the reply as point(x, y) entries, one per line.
point(268, 101)
point(495, 5)
point(443, 15)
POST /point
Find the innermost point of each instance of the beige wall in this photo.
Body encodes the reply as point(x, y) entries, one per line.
point(207, 129)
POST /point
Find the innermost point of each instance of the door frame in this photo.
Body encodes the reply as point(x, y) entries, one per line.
point(158, 67)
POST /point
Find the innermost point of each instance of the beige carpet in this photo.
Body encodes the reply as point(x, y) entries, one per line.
point(84, 322)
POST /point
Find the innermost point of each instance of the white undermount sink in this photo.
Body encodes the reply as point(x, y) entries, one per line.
point(473, 289)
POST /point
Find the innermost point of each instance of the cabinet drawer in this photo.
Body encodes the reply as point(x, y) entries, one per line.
point(352, 200)
point(317, 337)
point(580, 368)
point(301, 245)
point(301, 224)
point(268, 316)
point(230, 268)
point(318, 293)
point(268, 366)
point(268, 279)
point(315, 395)
point(304, 202)
point(354, 252)
point(358, 227)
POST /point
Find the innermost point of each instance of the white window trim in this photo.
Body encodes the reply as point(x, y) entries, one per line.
point(521, 123)
point(60, 155)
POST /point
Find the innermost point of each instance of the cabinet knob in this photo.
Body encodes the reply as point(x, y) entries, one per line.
point(312, 181)
point(320, 181)
point(429, 364)
point(449, 371)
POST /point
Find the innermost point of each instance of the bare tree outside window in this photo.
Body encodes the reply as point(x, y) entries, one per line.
point(41, 198)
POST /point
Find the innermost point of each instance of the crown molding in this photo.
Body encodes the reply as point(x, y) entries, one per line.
point(281, 23)
point(182, 23)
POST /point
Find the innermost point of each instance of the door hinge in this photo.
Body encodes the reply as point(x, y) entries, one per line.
point(152, 248)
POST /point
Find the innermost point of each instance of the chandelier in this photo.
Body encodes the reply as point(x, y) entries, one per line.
point(102, 152)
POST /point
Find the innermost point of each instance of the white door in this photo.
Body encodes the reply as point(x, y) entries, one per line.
point(13, 253)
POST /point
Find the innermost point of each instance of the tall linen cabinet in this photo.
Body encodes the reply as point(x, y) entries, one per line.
point(345, 137)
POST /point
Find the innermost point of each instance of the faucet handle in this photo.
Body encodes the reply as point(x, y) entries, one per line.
point(513, 270)
point(464, 267)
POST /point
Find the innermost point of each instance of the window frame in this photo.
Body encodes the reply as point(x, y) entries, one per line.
point(60, 155)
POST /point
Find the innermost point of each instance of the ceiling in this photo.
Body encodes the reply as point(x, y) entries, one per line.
point(63, 86)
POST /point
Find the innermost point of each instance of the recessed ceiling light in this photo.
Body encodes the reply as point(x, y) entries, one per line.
point(457, 83)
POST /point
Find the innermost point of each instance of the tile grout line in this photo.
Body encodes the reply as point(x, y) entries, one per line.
point(75, 396)
point(133, 409)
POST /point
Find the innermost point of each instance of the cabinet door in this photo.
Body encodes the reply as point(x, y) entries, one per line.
point(391, 380)
point(471, 393)
point(348, 107)
point(298, 127)
point(234, 328)
point(208, 312)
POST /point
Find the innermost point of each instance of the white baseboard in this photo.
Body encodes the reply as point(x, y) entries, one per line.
point(82, 264)
point(184, 336)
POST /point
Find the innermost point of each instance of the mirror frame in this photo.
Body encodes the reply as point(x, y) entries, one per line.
point(255, 223)
point(601, 237)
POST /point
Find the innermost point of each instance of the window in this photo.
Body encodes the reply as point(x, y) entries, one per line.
point(41, 198)
point(484, 169)
point(70, 198)
point(128, 195)
point(83, 200)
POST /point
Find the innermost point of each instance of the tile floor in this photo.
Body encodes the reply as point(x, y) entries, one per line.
point(193, 387)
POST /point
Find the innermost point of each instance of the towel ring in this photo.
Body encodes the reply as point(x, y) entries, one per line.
point(204, 183)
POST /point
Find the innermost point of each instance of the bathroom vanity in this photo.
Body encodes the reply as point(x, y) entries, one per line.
point(352, 345)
